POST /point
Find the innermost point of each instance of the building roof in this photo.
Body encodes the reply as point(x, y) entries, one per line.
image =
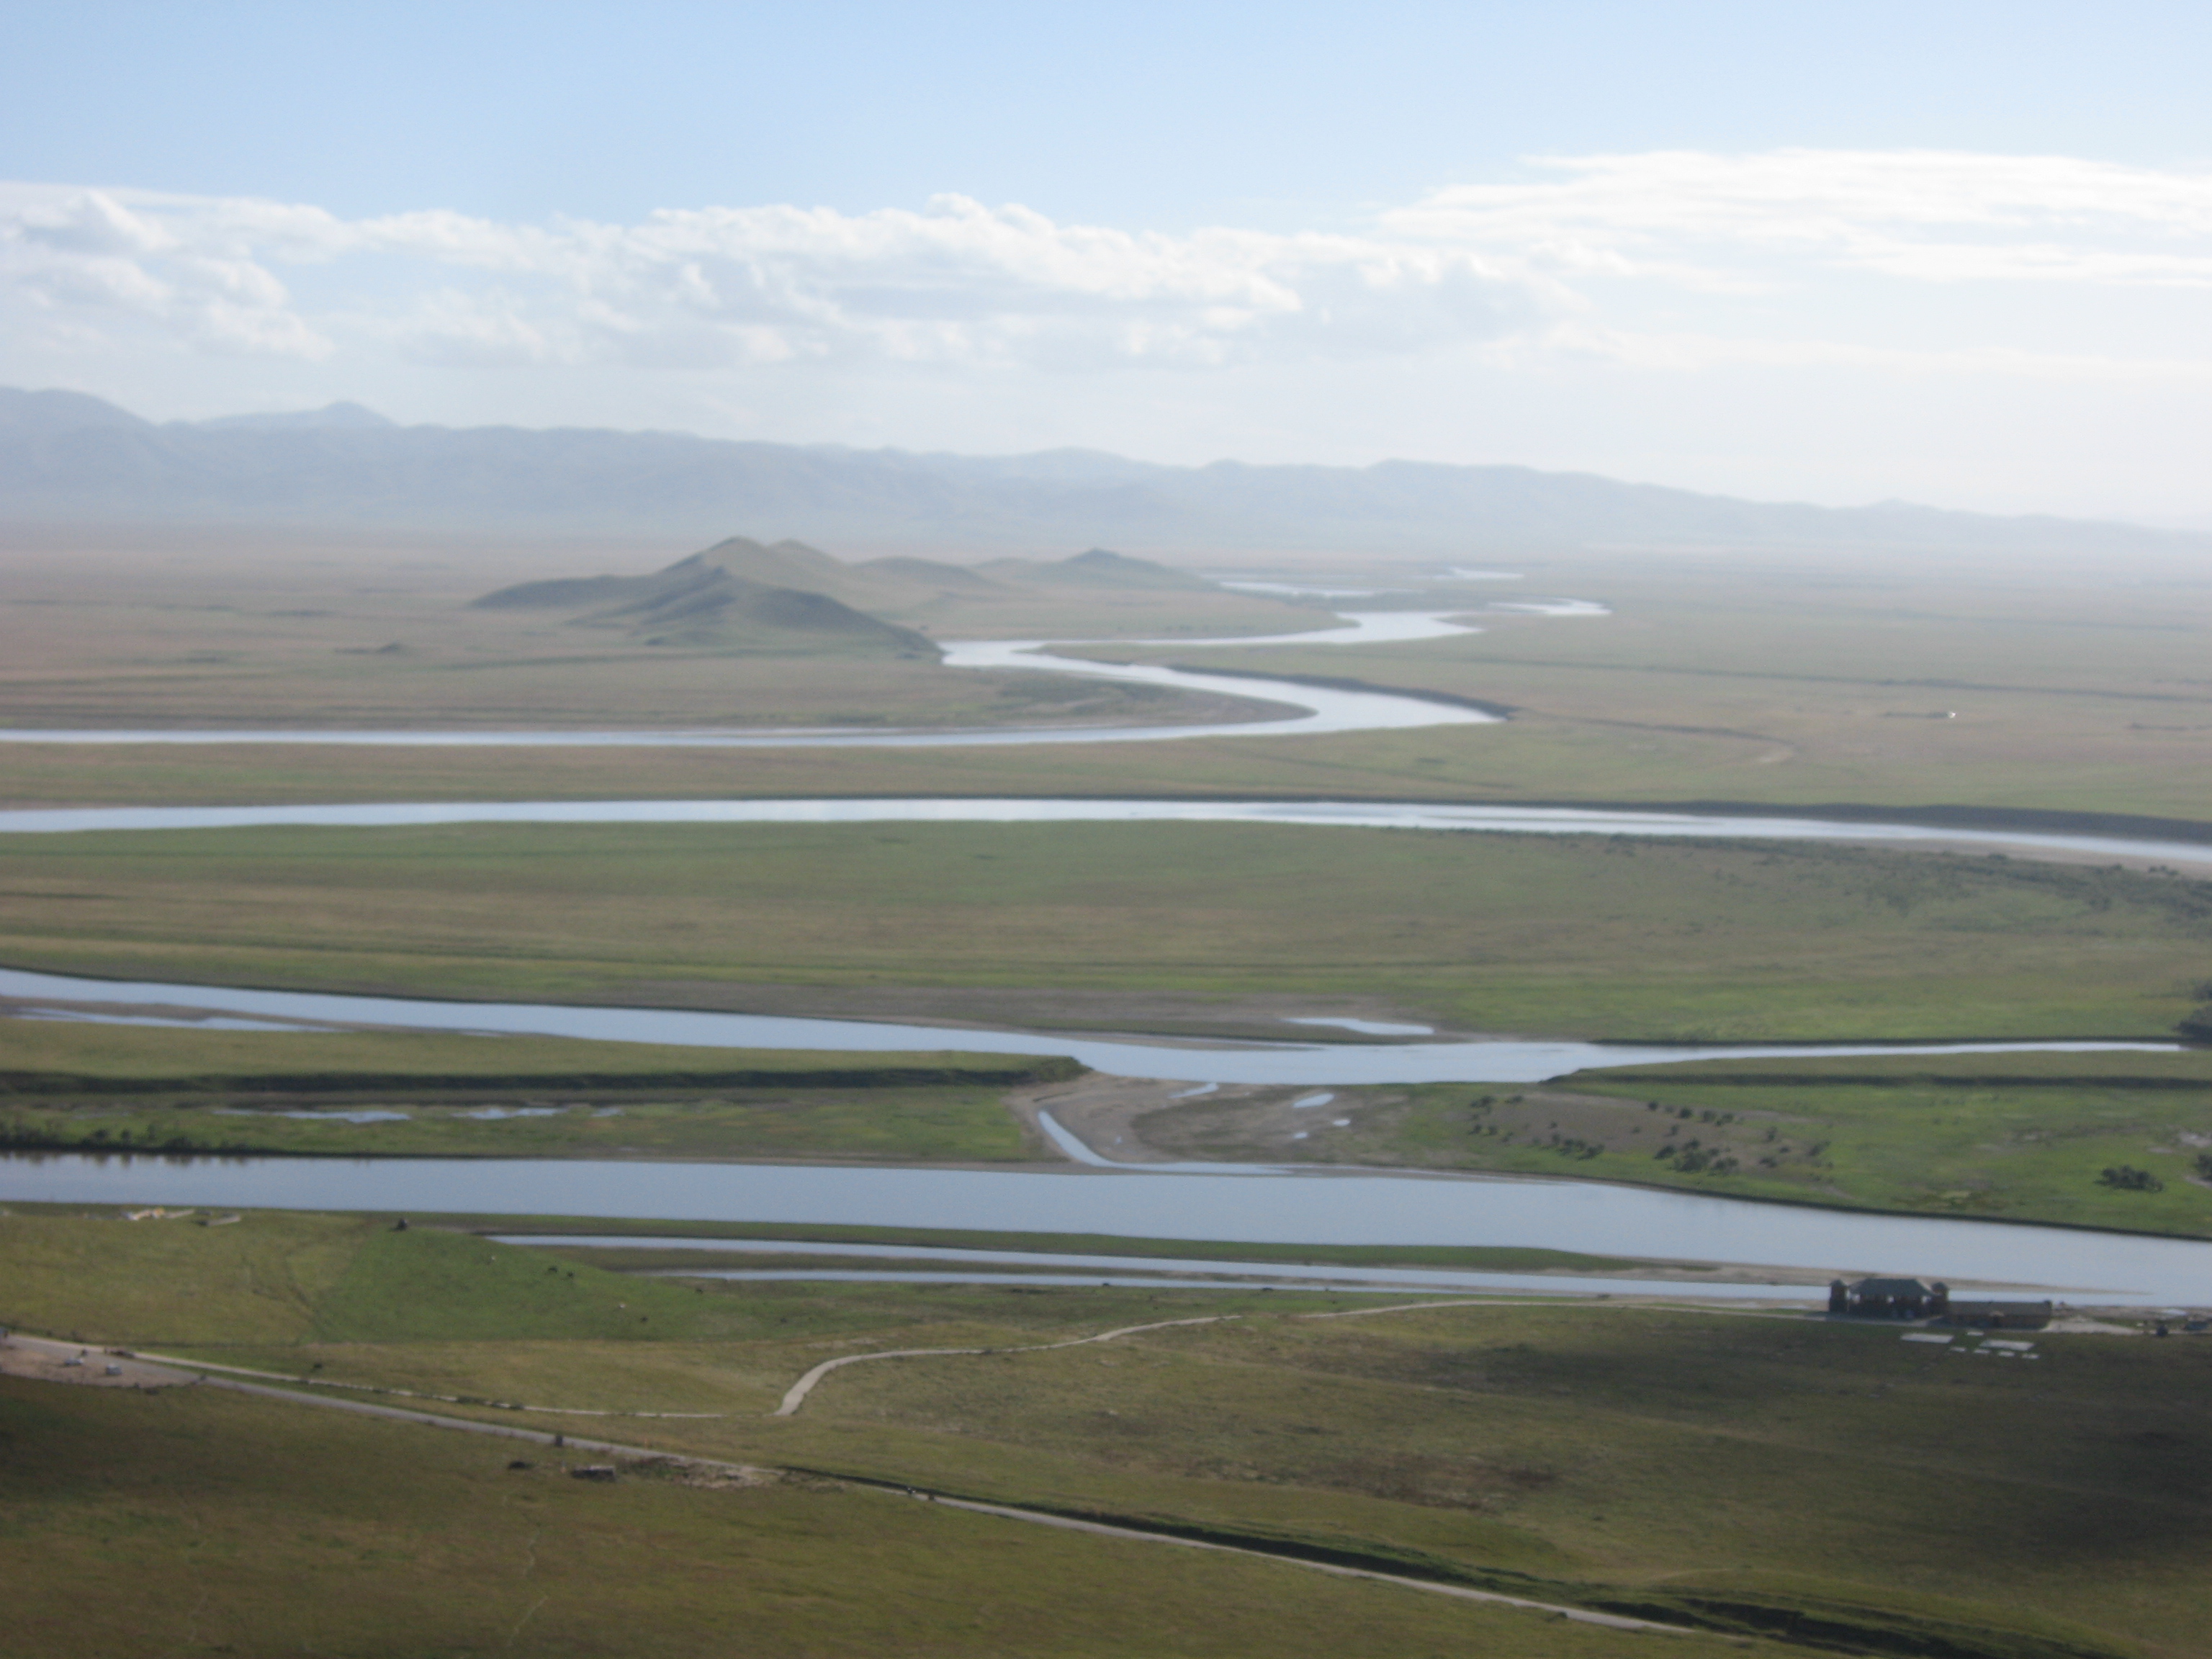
point(1892, 1288)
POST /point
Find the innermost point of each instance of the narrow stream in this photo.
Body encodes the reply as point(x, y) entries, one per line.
point(1312, 814)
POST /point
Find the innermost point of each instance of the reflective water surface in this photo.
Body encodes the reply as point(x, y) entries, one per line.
point(1318, 709)
point(1498, 1060)
point(1313, 814)
point(1262, 1206)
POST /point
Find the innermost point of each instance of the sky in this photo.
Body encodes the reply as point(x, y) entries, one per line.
point(1959, 254)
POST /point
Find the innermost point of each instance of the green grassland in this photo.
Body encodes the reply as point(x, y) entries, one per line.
point(250, 1527)
point(59, 1057)
point(894, 1125)
point(1738, 1470)
point(2023, 1142)
point(1594, 936)
point(2010, 1137)
point(118, 1088)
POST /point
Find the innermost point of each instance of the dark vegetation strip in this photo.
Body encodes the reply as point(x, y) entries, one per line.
point(1048, 1070)
point(1899, 1080)
point(97, 1143)
point(1832, 1626)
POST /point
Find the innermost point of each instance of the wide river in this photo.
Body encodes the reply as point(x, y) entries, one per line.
point(1260, 1207)
point(1256, 1203)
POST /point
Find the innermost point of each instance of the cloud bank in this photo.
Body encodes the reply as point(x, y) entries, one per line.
point(690, 289)
point(1839, 323)
point(961, 283)
point(1929, 216)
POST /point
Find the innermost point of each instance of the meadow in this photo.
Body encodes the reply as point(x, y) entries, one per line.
point(1057, 926)
point(102, 1088)
point(256, 633)
point(1868, 680)
point(1816, 1482)
point(249, 1527)
point(2011, 1136)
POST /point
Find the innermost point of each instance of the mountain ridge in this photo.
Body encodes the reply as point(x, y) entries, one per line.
point(68, 457)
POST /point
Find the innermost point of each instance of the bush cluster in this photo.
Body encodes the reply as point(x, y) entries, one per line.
point(2126, 1178)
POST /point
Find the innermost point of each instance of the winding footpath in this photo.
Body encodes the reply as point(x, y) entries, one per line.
point(795, 1396)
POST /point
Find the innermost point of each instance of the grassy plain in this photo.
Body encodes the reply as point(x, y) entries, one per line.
point(255, 1528)
point(58, 1057)
point(1595, 936)
point(1790, 679)
point(1724, 1467)
point(354, 634)
point(2012, 1137)
point(1856, 678)
point(110, 1088)
point(1769, 1471)
point(891, 1125)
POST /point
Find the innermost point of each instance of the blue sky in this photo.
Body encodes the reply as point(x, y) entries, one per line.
point(1959, 254)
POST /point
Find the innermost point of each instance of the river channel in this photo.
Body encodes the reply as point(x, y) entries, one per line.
point(1256, 1203)
point(1489, 1061)
point(1314, 814)
point(1259, 1206)
point(1319, 710)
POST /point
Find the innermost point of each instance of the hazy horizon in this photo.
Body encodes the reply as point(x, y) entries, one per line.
point(1724, 249)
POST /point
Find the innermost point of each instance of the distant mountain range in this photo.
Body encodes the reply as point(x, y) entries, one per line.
point(65, 456)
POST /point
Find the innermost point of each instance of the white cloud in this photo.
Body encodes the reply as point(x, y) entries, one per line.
point(89, 255)
point(1668, 315)
point(1544, 262)
point(958, 282)
point(1924, 215)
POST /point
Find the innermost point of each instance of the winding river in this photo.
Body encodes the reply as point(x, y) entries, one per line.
point(1253, 1203)
point(1256, 1203)
point(1321, 710)
point(1492, 1061)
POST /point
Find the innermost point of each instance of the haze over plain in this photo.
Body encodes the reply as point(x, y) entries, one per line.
point(1951, 257)
point(721, 528)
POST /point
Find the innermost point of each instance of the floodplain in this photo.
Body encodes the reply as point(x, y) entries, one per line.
point(1756, 1472)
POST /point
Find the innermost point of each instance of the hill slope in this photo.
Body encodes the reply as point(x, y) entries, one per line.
point(752, 595)
point(728, 596)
